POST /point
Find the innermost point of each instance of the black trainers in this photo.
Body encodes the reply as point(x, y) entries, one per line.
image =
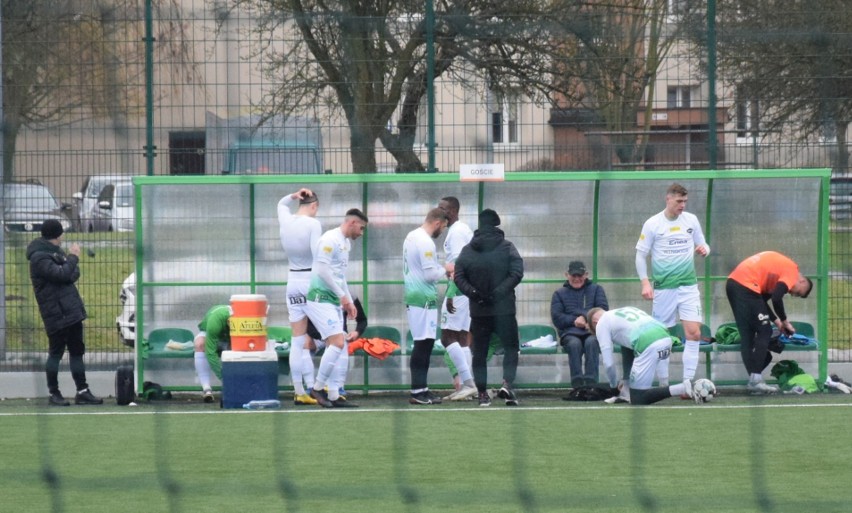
point(56, 399)
point(340, 402)
point(484, 399)
point(508, 394)
point(86, 397)
point(424, 397)
point(321, 398)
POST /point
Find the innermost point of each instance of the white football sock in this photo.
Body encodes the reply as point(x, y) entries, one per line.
point(341, 368)
point(458, 357)
point(678, 389)
point(663, 373)
point(326, 367)
point(202, 369)
point(690, 359)
point(307, 369)
point(297, 347)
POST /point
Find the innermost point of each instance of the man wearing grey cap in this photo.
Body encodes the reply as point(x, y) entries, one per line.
point(54, 274)
point(569, 308)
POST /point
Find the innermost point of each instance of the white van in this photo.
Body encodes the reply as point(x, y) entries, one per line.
point(87, 198)
point(114, 210)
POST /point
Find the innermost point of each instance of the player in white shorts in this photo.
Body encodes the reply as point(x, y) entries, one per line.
point(299, 235)
point(672, 238)
point(455, 311)
point(328, 296)
point(421, 272)
point(633, 329)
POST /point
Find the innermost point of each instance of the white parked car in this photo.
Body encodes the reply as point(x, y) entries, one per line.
point(87, 198)
point(114, 210)
point(126, 321)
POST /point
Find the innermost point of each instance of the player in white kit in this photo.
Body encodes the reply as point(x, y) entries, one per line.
point(633, 329)
point(327, 298)
point(421, 272)
point(299, 234)
point(672, 238)
point(455, 312)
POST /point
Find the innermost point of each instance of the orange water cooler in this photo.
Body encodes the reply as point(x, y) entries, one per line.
point(248, 322)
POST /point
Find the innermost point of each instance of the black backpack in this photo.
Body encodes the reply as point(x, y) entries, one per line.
point(125, 392)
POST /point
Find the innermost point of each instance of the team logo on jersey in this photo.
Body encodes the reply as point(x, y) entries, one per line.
point(327, 249)
point(689, 230)
point(428, 254)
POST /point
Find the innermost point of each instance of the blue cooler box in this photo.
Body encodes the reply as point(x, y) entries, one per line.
point(248, 376)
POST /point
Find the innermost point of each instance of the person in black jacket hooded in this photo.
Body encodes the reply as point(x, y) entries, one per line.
point(569, 307)
point(487, 272)
point(53, 274)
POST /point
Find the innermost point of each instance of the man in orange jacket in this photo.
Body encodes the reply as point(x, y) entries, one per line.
point(758, 279)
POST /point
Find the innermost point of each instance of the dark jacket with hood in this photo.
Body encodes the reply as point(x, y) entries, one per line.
point(53, 275)
point(487, 271)
point(569, 303)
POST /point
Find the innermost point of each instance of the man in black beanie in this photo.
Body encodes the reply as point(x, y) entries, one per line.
point(487, 272)
point(53, 274)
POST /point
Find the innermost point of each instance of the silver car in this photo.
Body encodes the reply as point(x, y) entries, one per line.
point(26, 205)
point(87, 198)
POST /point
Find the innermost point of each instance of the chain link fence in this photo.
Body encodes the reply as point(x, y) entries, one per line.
point(96, 92)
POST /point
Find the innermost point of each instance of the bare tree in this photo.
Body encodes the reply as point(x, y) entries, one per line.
point(793, 60)
point(70, 60)
point(612, 65)
point(369, 59)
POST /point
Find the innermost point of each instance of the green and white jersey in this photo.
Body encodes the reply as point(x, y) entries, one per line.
point(628, 327)
point(671, 244)
point(421, 270)
point(328, 271)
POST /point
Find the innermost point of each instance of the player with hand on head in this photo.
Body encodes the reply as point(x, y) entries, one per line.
point(299, 234)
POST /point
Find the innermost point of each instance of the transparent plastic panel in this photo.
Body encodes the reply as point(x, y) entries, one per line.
point(750, 216)
point(549, 223)
point(198, 235)
point(624, 208)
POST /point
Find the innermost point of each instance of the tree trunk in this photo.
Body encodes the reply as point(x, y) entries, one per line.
point(362, 149)
point(10, 143)
point(401, 146)
point(842, 164)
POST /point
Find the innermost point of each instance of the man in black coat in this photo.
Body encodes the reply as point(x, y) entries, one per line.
point(53, 274)
point(569, 307)
point(487, 272)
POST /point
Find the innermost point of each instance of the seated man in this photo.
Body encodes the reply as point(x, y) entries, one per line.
point(569, 308)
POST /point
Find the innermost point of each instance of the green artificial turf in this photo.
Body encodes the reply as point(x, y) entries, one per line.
point(738, 454)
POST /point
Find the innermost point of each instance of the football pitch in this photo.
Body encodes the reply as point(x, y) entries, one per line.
point(737, 454)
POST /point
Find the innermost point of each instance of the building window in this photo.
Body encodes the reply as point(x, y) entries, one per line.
point(747, 117)
point(504, 119)
point(678, 9)
point(679, 97)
